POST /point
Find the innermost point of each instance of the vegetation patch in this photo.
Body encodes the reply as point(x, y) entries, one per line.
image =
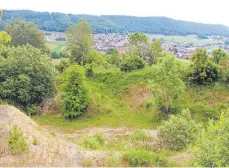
point(94, 142)
point(17, 141)
point(144, 158)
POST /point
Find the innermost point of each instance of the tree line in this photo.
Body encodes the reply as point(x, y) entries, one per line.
point(117, 24)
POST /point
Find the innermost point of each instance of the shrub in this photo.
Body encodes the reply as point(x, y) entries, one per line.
point(27, 76)
point(17, 141)
point(65, 54)
point(203, 71)
point(139, 135)
point(55, 55)
point(74, 93)
point(138, 158)
point(64, 63)
point(89, 70)
point(132, 62)
point(166, 85)
point(178, 132)
point(213, 145)
point(94, 142)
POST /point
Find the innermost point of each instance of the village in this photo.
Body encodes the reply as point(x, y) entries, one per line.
point(181, 48)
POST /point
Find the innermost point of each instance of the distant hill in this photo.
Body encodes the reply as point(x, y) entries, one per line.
point(117, 24)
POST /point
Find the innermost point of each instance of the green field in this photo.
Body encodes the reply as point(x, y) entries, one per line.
point(57, 46)
point(184, 39)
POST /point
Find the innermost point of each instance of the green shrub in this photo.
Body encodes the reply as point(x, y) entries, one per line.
point(119, 82)
point(213, 145)
point(203, 71)
point(27, 76)
point(31, 109)
point(64, 63)
point(74, 93)
point(55, 55)
point(89, 70)
point(94, 142)
point(139, 135)
point(138, 158)
point(178, 132)
point(132, 62)
point(166, 85)
point(17, 141)
point(202, 111)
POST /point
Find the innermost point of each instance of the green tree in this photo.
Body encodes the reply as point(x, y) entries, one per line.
point(80, 40)
point(213, 145)
point(23, 32)
point(114, 58)
point(132, 62)
point(166, 85)
point(202, 70)
point(26, 76)
point(178, 132)
point(218, 55)
point(4, 37)
point(154, 50)
point(74, 94)
point(137, 44)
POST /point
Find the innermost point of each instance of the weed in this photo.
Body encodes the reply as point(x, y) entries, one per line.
point(144, 158)
point(16, 141)
point(94, 142)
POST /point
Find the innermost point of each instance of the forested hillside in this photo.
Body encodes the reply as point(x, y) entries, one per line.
point(117, 24)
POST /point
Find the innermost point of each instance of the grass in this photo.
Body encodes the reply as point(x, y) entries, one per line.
point(184, 39)
point(94, 142)
point(17, 141)
point(145, 158)
point(113, 103)
point(57, 46)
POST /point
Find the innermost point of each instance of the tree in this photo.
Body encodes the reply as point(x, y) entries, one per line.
point(132, 62)
point(80, 40)
point(137, 44)
point(166, 85)
point(154, 50)
point(114, 57)
point(23, 32)
point(178, 132)
point(74, 94)
point(26, 76)
point(202, 70)
point(218, 55)
point(4, 37)
point(213, 145)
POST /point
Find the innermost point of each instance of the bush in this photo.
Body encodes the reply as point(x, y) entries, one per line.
point(94, 142)
point(203, 71)
point(64, 54)
point(178, 132)
point(64, 63)
point(132, 62)
point(74, 93)
point(166, 85)
point(138, 158)
point(17, 141)
point(213, 145)
point(26, 76)
point(89, 70)
point(55, 55)
point(139, 135)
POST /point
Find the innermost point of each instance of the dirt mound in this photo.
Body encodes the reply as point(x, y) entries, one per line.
point(49, 150)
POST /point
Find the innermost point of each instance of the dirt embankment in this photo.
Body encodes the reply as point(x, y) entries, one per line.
point(49, 149)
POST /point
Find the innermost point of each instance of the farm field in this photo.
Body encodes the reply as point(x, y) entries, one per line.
point(57, 46)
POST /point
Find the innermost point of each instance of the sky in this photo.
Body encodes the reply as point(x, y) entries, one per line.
point(203, 11)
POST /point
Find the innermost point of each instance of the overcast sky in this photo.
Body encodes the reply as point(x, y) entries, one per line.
point(204, 11)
